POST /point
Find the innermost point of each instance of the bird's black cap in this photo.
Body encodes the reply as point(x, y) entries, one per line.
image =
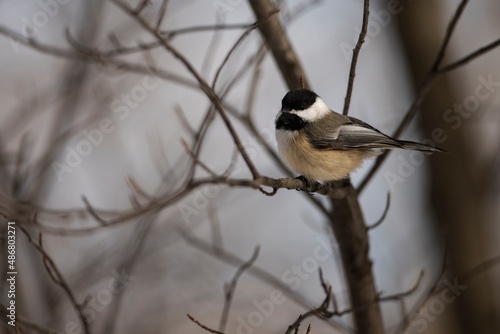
point(298, 99)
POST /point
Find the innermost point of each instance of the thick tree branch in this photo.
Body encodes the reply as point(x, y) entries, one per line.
point(350, 230)
point(281, 48)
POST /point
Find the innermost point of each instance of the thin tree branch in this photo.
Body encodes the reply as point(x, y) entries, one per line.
point(203, 84)
point(205, 28)
point(163, 10)
point(21, 322)
point(480, 268)
point(216, 235)
point(399, 296)
point(434, 287)
point(239, 41)
point(210, 114)
point(89, 55)
point(136, 245)
point(449, 32)
point(159, 203)
point(92, 211)
point(58, 278)
point(175, 196)
point(386, 210)
point(208, 329)
point(322, 311)
point(121, 50)
point(264, 276)
point(196, 160)
point(141, 6)
point(355, 55)
point(461, 62)
point(232, 286)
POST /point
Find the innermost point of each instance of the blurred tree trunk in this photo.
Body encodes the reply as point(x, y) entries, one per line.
point(459, 186)
point(346, 218)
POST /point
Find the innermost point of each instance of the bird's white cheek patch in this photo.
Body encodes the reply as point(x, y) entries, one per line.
point(316, 111)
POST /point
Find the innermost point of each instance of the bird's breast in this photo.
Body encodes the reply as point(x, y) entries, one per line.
point(314, 164)
point(285, 140)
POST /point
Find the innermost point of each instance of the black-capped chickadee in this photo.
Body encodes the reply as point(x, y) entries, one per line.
point(323, 145)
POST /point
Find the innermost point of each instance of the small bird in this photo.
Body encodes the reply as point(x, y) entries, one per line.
point(323, 145)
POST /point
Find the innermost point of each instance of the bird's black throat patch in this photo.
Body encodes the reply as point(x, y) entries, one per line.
point(290, 122)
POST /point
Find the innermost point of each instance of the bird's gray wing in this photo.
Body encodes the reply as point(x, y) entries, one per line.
point(356, 134)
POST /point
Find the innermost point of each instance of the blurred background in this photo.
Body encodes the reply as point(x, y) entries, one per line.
point(111, 132)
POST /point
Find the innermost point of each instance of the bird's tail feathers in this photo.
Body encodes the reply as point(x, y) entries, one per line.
point(409, 145)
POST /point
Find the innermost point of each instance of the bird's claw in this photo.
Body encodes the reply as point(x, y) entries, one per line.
point(310, 188)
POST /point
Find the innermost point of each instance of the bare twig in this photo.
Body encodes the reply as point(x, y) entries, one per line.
point(231, 165)
point(58, 278)
point(87, 55)
point(176, 195)
point(141, 6)
point(232, 286)
point(203, 84)
point(210, 114)
point(130, 261)
point(250, 99)
point(255, 271)
point(319, 311)
point(239, 41)
point(205, 28)
point(322, 311)
point(479, 52)
point(120, 50)
point(199, 136)
point(386, 210)
point(473, 272)
point(92, 211)
point(355, 55)
point(163, 10)
point(434, 287)
point(183, 119)
point(196, 159)
point(217, 243)
point(401, 295)
point(449, 32)
point(203, 326)
point(19, 168)
point(134, 186)
point(480, 268)
point(22, 322)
